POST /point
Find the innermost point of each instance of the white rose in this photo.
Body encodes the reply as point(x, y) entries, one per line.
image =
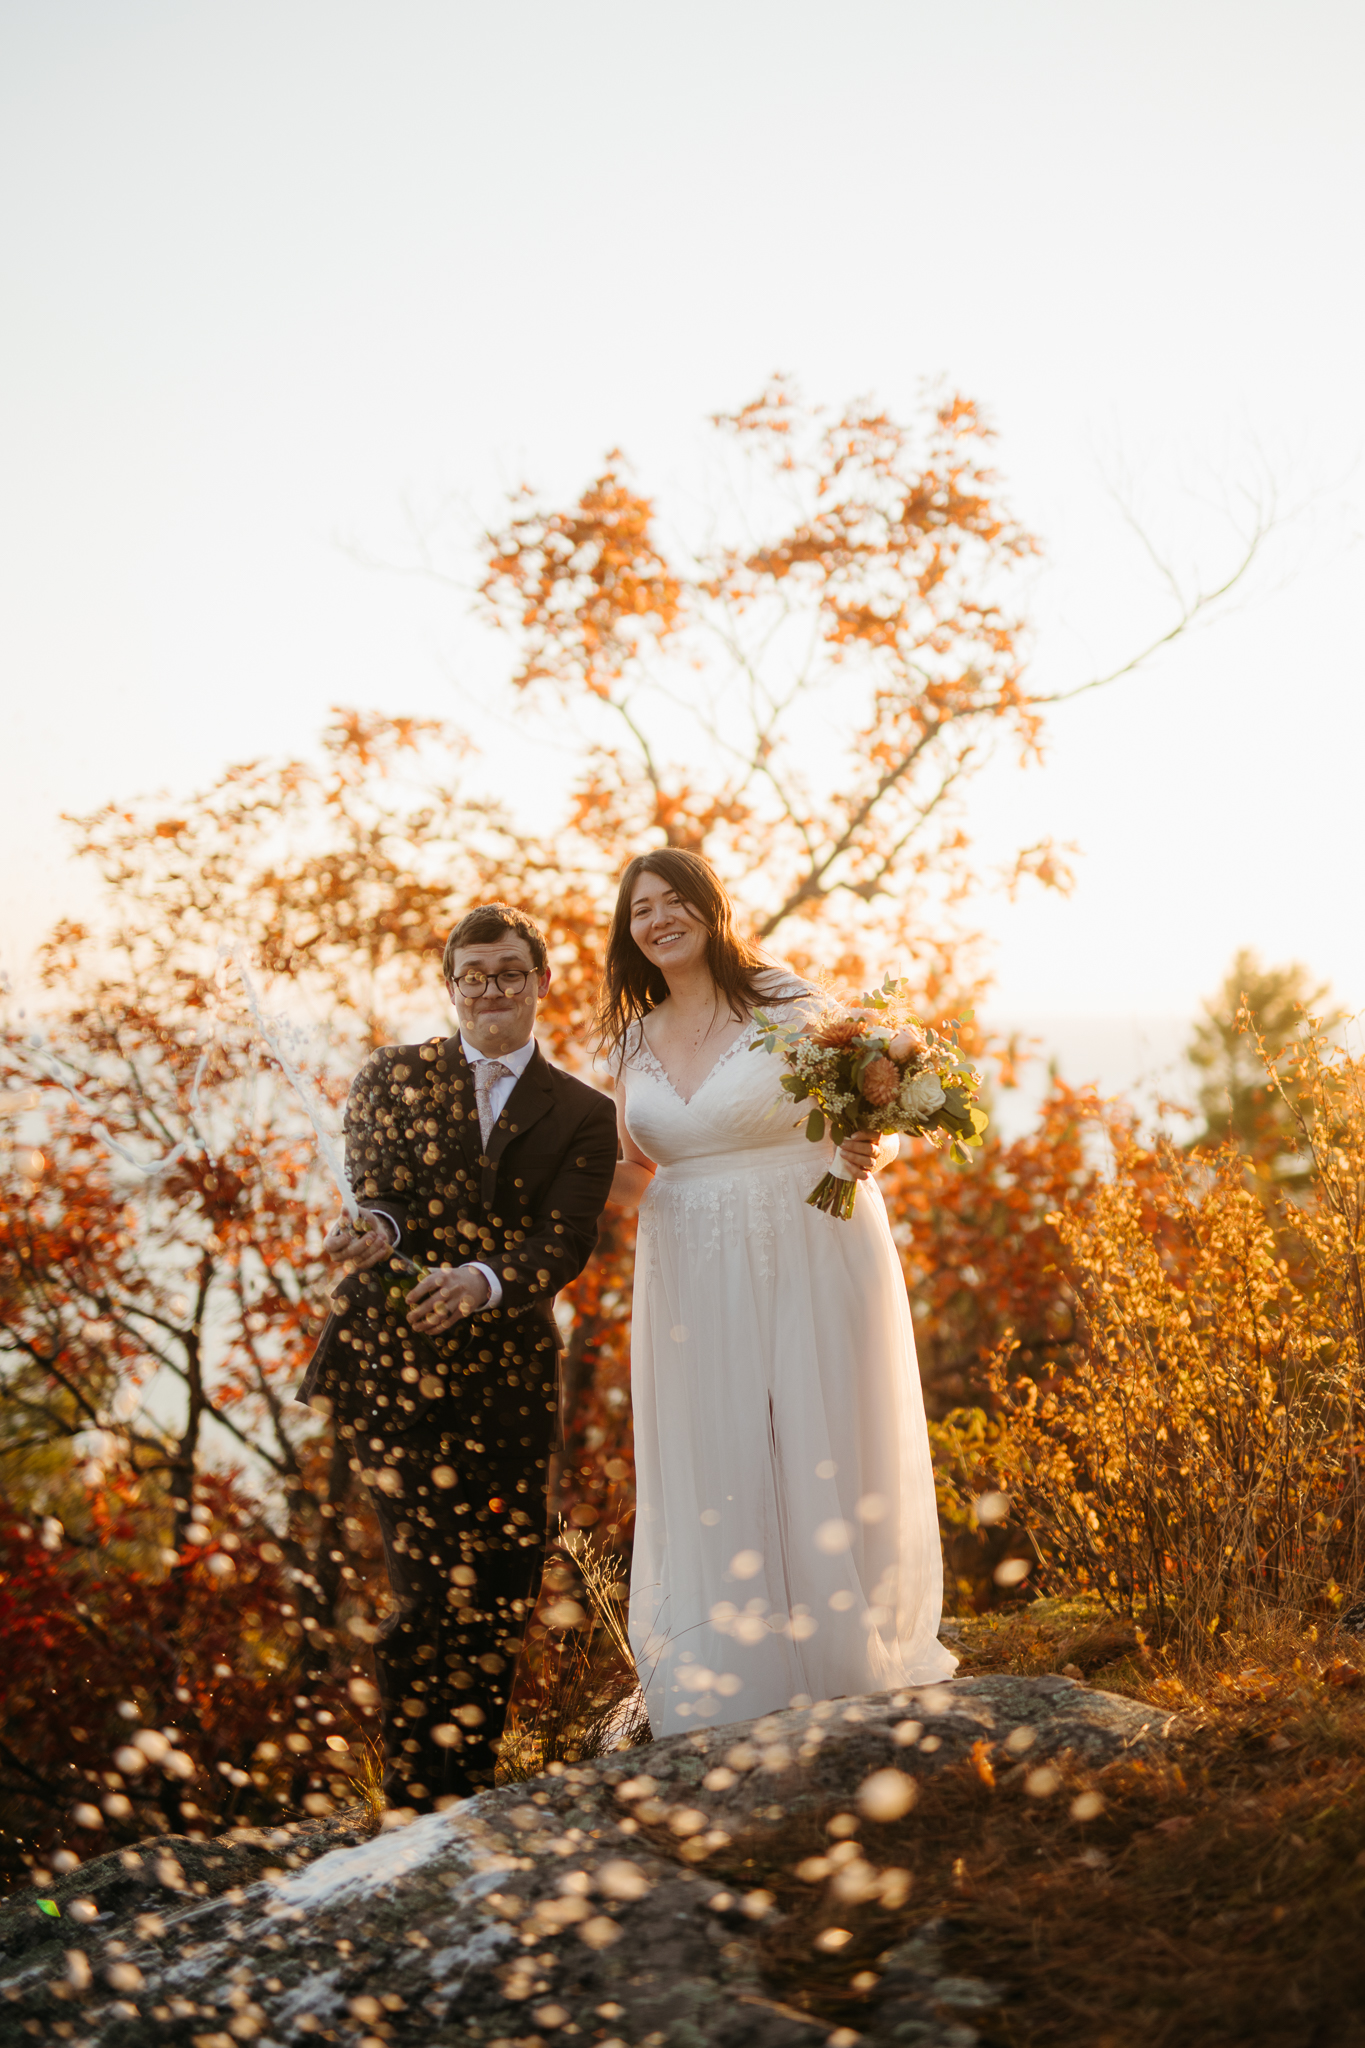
point(921, 1094)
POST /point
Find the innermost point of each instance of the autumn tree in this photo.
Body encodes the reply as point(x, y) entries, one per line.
point(806, 697)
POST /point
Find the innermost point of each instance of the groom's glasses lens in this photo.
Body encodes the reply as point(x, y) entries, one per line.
point(511, 984)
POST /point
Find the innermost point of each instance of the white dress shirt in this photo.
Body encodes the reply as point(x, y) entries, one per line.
point(499, 1095)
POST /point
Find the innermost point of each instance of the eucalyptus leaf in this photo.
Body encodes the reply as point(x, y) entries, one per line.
point(815, 1126)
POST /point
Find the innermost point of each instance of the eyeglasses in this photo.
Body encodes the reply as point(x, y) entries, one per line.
point(510, 982)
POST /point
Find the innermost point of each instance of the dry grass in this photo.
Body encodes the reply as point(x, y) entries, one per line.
point(367, 1778)
point(1218, 1898)
point(579, 1695)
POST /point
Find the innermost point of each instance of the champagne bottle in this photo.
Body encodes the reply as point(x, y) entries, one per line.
point(405, 1274)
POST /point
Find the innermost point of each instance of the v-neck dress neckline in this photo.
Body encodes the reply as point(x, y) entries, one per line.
point(656, 1065)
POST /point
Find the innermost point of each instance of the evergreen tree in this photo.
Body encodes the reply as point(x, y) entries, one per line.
point(1236, 1098)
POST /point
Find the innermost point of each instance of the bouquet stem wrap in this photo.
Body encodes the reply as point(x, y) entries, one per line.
point(835, 1192)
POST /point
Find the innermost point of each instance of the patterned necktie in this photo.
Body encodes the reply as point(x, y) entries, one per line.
point(487, 1074)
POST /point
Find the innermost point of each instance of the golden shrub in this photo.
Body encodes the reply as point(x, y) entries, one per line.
point(1204, 1453)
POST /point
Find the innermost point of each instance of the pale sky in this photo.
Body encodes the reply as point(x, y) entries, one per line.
point(270, 271)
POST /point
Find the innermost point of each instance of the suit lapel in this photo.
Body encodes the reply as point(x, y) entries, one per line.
point(531, 1099)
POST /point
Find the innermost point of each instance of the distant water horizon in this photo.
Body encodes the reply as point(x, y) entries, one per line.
point(1141, 1056)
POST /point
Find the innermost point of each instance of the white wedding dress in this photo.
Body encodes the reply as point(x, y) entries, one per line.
point(786, 1534)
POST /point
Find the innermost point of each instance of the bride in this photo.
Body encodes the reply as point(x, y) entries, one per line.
point(786, 1535)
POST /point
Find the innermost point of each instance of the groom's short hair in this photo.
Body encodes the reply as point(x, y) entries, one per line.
point(484, 923)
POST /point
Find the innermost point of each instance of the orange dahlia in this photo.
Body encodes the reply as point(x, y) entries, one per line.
point(881, 1079)
point(837, 1031)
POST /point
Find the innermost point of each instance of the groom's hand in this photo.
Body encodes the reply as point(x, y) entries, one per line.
point(357, 1249)
point(443, 1296)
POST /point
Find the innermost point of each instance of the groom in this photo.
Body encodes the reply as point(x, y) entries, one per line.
point(488, 1168)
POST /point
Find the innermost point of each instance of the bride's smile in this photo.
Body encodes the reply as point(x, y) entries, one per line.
point(667, 930)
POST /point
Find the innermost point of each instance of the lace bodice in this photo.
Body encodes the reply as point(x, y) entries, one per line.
point(738, 1111)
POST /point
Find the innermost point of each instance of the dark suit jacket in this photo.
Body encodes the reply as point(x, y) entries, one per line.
point(527, 1207)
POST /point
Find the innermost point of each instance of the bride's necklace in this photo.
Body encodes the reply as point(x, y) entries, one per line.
point(701, 1035)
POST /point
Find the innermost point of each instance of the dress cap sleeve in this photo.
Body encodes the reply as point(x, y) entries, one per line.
point(630, 1048)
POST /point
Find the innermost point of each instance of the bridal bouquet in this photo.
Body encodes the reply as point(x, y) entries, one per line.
point(873, 1067)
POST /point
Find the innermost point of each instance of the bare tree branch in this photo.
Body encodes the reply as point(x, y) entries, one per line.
point(1191, 608)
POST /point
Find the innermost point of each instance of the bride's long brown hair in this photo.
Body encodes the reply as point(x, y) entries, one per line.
point(632, 986)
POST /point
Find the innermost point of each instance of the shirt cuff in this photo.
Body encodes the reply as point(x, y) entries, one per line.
point(390, 1220)
point(494, 1284)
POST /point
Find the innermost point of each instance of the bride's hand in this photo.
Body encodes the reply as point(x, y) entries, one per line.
point(859, 1153)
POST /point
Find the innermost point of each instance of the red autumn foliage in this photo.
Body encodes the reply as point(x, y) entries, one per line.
point(105, 1646)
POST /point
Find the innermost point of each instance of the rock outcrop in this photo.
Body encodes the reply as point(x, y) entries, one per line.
point(582, 1906)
